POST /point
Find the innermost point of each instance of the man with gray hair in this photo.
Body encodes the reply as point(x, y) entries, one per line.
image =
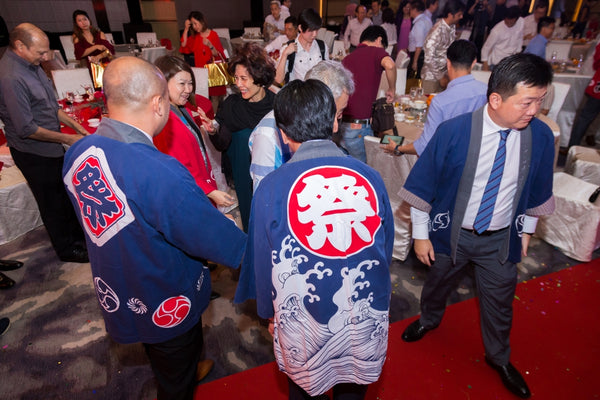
point(32, 119)
point(267, 149)
point(145, 247)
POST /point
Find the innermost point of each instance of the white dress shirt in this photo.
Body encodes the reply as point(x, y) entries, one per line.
point(529, 28)
point(502, 42)
point(421, 26)
point(503, 208)
point(354, 30)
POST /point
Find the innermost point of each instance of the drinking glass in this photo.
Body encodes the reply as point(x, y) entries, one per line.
point(70, 97)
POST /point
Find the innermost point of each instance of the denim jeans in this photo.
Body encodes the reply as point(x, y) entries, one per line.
point(353, 140)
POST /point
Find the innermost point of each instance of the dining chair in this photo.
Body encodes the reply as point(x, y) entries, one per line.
point(482, 76)
point(145, 37)
point(329, 38)
point(71, 80)
point(223, 33)
point(69, 48)
point(201, 78)
point(560, 94)
point(110, 38)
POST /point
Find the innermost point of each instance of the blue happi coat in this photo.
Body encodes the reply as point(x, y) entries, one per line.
point(146, 224)
point(320, 245)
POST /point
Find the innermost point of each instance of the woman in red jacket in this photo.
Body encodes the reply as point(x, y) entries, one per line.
point(204, 43)
point(181, 137)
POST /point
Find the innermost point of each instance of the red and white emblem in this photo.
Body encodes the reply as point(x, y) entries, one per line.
point(102, 204)
point(172, 312)
point(333, 211)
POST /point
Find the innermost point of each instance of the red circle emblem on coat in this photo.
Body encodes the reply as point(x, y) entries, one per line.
point(172, 312)
point(333, 211)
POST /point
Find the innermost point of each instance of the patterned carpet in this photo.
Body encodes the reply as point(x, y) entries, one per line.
point(57, 348)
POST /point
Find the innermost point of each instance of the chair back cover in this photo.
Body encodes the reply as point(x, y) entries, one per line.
point(144, 37)
point(560, 94)
point(67, 44)
point(201, 77)
point(71, 80)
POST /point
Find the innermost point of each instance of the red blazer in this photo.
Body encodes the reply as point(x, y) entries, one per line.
point(177, 141)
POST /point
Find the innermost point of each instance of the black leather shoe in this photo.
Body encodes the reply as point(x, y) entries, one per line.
point(75, 254)
point(4, 323)
point(6, 282)
point(511, 378)
point(414, 332)
point(9, 265)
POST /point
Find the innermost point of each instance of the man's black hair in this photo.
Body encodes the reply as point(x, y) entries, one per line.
point(372, 32)
point(521, 68)
point(305, 110)
point(461, 54)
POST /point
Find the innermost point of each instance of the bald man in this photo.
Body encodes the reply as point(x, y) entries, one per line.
point(147, 225)
point(32, 121)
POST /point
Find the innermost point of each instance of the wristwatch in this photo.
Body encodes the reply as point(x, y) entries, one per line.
point(396, 151)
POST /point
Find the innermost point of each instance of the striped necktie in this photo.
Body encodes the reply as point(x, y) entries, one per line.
point(486, 208)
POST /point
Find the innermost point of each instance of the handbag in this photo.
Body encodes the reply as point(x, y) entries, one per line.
point(218, 74)
point(382, 117)
point(97, 68)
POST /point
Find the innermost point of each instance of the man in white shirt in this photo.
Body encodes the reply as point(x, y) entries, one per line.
point(274, 22)
point(416, 39)
point(355, 28)
point(476, 193)
point(505, 39)
point(306, 51)
point(291, 33)
point(530, 22)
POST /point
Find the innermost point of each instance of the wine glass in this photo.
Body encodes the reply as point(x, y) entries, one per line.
point(70, 98)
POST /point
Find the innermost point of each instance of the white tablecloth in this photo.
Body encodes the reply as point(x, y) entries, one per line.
point(574, 227)
point(149, 54)
point(574, 98)
point(18, 210)
point(394, 170)
point(584, 163)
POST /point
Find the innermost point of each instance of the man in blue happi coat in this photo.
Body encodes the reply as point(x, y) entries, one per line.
point(319, 250)
point(476, 193)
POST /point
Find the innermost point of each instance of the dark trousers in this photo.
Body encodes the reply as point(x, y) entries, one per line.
point(341, 391)
point(44, 176)
point(584, 119)
point(496, 283)
point(174, 364)
point(411, 73)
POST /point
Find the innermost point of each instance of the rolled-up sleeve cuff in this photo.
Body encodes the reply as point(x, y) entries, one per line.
point(545, 208)
point(414, 200)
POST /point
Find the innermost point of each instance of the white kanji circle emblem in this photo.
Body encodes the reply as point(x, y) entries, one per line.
point(333, 211)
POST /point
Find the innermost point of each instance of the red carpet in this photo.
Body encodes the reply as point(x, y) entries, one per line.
point(555, 345)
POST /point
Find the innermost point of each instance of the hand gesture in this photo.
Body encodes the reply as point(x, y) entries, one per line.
point(206, 122)
point(187, 24)
point(220, 198)
point(291, 48)
point(424, 251)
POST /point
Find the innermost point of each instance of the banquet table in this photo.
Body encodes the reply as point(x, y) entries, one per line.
point(574, 98)
point(394, 170)
point(149, 54)
point(18, 210)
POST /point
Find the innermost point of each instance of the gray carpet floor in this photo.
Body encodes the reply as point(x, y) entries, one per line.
point(57, 348)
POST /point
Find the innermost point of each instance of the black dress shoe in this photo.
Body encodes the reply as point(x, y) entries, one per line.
point(75, 254)
point(4, 323)
point(9, 265)
point(512, 379)
point(6, 282)
point(414, 332)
